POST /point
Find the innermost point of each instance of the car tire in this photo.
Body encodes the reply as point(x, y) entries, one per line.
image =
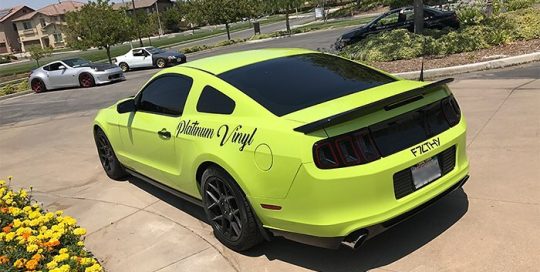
point(228, 211)
point(38, 86)
point(112, 166)
point(124, 66)
point(161, 63)
point(86, 80)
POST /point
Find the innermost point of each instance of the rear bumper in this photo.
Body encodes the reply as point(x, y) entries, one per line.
point(338, 202)
point(371, 231)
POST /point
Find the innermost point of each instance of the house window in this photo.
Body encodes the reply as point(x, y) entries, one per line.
point(42, 22)
point(27, 25)
point(58, 38)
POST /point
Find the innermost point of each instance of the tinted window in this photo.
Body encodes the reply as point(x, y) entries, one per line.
point(288, 84)
point(77, 62)
point(165, 95)
point(389, 19)
point(55, 66)
point(213, 101)
point(47, 68)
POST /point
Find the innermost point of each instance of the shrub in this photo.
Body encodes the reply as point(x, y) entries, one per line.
point(512, 5)
point(527, 22)
point(387, 46)
point(470, 14)
point(401, 44)
point(4, 59)
point(32, 239)
point(12, 88)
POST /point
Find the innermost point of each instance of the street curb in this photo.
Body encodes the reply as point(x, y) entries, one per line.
point(473, 67)
point(14, 95)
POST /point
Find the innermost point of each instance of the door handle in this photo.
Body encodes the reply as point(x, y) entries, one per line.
point(164, 134)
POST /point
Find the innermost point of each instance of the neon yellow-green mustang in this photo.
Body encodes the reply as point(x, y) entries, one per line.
point(289, 142)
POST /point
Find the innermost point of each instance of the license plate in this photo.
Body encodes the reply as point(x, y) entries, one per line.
point(425, 172)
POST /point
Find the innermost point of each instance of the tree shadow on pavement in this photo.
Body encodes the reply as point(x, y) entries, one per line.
point(381, 250)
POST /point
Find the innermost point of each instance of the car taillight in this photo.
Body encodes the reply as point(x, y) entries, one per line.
point(354, 148)
point(451, 110)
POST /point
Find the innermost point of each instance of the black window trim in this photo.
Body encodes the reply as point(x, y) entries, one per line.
point(137, 98)
point(199, 98)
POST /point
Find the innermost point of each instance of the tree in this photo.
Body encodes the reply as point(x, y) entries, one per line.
point(173, 17)
point(147, 24)
point(37, 53)
point(286, 6)
point(97, 24)
point(222, 11)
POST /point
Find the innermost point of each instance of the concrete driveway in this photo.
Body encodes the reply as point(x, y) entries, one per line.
point(491, 225)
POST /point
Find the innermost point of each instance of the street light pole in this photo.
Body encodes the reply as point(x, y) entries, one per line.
point(136, 25)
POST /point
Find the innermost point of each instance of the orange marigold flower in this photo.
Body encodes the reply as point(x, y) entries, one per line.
point(4, 210)
point(6, 229)
point(31, 265)
point(37, 257)
point(26, 234)
point(4, 259)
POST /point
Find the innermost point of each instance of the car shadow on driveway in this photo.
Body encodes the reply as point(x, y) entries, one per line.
point(181, 204)
point(384, 249)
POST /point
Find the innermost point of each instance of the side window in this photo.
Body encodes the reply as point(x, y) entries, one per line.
point(214, 101)
point(55, 66)
point(47, 68)
point(138, 53)
point(165, 95)
point(390, 19)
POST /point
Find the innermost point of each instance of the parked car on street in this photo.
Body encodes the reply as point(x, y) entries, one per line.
point(75, 72)
point(399, 18)
point(289, 142)
point(148, 57)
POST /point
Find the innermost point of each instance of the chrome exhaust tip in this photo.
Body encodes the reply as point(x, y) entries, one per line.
point(355, 239)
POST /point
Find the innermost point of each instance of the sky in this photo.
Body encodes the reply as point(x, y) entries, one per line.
point(35, 4)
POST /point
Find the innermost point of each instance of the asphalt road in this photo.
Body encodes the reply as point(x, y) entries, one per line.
point(56, 102)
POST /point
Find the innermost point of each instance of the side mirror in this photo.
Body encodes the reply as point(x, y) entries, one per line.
point(126, 106)
point(62, 67)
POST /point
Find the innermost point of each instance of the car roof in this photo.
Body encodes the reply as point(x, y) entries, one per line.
point(226, 62)
point(145, 47)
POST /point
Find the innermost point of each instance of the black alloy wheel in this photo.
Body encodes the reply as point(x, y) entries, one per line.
point(113, 168)
point(228, 211)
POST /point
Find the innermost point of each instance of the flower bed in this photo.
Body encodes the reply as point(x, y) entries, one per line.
point(32, 239)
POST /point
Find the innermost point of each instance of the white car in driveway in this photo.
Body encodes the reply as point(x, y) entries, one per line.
point(148, 57)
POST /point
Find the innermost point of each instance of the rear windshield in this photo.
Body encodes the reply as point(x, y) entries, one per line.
point(289, 84)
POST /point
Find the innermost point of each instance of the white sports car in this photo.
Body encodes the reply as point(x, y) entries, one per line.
point(148, 57)
point(75, 72)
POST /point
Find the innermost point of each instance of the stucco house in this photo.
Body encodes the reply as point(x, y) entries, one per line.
point(43, 27)
point(9, 39)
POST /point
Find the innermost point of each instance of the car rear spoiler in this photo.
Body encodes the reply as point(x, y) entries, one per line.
point(387, 103)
